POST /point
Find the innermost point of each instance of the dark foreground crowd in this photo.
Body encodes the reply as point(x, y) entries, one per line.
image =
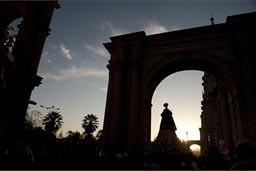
point(84, 156)
point(244, 158)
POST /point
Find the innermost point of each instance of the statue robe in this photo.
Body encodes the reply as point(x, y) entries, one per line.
point(167, 121)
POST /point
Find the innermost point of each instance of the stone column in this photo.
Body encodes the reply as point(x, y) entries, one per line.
point(116, 113)
point(22, 79)
point(236, 115)
point(226, 122)
point(145, 122)
point(112, 119)
point(135, 120)
point(121, 122)
point(218, 120)
point(242, 35)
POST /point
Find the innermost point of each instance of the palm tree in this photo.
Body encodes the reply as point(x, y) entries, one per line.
point(53, 122)
point(90, 124)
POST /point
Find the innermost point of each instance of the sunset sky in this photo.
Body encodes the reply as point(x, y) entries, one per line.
point(74, 60)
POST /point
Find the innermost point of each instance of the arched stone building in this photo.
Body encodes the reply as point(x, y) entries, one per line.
point(139, 63)
point(18, 69)
point(219, 119)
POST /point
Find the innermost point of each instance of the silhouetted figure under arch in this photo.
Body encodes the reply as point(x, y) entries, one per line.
point(167, 148)
point(167, 139)
point(167, 121)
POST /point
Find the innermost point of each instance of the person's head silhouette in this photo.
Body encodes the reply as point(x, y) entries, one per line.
point(166, 105)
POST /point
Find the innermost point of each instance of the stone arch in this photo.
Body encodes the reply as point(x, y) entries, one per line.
point(197, 153)
point(20, 71)
point(191, 142)
point(139, 63)
point(12, 29)
point(11, 11)
point(192, 60)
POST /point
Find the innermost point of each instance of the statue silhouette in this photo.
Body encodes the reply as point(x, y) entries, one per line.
point(167, 139)
point(167, 121)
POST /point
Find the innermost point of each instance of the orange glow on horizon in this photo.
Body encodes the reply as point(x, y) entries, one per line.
point(181, 134)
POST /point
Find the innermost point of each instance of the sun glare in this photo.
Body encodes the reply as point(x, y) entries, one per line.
point(196, 149)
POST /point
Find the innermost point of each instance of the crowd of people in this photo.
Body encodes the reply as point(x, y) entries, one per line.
point(87, 156)
point(215, 158)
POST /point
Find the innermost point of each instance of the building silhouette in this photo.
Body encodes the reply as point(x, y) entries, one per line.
point(18, 68)
point(137, 65)
point(139, 62)
point(217, 118)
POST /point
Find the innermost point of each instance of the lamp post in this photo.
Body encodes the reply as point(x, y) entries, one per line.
point(187, 135)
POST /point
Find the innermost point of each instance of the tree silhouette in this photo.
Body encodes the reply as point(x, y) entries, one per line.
point(33, 119)
point(53, 122)
point(90, 124)
point(74, 136)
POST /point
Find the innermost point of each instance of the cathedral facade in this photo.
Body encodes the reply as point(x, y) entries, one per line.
point(219, 118)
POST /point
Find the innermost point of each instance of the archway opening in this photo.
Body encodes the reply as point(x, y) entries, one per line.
point(183, 92)
point(202, 109)
point(10, 34)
